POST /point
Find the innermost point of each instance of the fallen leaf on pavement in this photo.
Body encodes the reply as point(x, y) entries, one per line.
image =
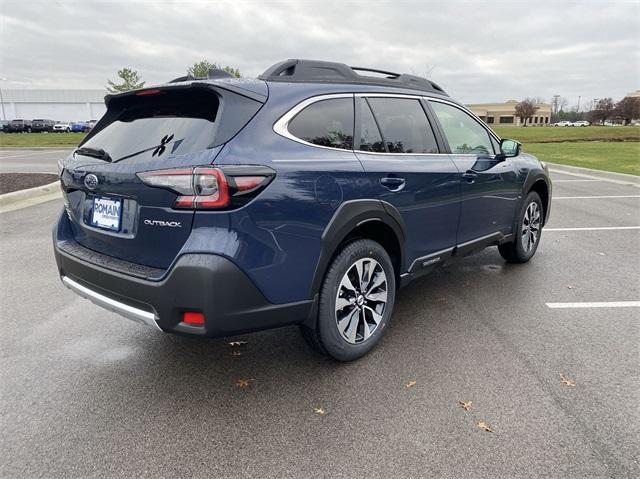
point(484, 426)
point(236, 353)
point(466, 405)
point(320, 411)
point(244, 383)
point(410, 384)
point(602, 254)
point(570, 286)
point(567, 381)
point(235, 344)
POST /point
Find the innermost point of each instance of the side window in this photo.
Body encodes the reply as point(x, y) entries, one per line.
point(370, 138)
point(326, 123)
point(464, 133)
point(404, 125)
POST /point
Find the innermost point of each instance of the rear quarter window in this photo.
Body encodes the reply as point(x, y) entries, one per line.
point(326, 123)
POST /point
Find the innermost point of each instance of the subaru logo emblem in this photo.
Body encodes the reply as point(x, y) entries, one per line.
point(91, 181)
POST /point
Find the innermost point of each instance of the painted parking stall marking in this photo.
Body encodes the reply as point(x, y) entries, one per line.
point(595, 228)
point(599, 197)
point(597, 304)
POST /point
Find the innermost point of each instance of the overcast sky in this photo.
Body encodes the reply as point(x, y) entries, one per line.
point(478, 51)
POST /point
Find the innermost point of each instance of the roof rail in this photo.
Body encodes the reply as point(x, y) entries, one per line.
point(315, 71)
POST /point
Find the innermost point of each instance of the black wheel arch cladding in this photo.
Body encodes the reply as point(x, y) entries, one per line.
point(348, 217)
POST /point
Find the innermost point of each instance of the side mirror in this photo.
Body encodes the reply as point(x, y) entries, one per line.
point(510, 148)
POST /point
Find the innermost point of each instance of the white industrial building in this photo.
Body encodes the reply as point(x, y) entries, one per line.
point(58, 105)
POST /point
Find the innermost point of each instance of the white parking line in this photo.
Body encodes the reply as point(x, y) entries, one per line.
point(593, 197)
point(572, 181)
point(597, 228)
point(604, 304)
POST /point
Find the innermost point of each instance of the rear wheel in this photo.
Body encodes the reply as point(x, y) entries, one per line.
point(356, 302)
point(526, 232)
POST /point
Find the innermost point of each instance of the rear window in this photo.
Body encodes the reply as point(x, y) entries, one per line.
point(169, 123)
point(326, 123)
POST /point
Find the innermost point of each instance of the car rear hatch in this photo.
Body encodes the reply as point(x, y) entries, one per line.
point(177, 126)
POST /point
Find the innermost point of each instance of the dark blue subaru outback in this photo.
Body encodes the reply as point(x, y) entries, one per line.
point(220, 206)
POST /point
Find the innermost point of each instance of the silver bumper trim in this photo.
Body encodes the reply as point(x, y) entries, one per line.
point(129, 312)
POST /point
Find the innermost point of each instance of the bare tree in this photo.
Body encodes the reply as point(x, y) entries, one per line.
point(526, 109)
point(603, 111)
point(558, 103)
point(628, 109)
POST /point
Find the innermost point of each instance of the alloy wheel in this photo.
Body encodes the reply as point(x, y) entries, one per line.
point(530, 227)
point(361, 300)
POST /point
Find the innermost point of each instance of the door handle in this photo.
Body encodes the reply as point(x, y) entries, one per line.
point(470, 176)
point(392, 184)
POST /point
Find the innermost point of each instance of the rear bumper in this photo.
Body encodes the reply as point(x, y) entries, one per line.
point(206, 283)
point(135, 314)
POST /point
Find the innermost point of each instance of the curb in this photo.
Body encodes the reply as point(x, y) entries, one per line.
point(31, 196)
point(580, 169)
point(608, 176)
point(35, 148)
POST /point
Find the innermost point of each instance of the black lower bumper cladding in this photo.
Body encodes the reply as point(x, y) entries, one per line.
point(206, 283)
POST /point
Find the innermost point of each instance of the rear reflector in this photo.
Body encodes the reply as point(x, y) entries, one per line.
point(192, 318)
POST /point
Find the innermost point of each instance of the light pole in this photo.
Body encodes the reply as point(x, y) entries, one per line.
point(4, 117)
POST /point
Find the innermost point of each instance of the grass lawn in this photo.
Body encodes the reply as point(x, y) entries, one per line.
point(532, 134)
point(621, 157)
point(30, 140)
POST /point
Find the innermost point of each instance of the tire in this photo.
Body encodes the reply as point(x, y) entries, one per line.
point(527, 231)
point(343, 332)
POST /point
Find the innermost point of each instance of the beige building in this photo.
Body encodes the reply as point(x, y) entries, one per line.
point(504, 114)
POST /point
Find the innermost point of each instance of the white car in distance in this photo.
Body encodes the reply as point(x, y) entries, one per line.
point(62, 126)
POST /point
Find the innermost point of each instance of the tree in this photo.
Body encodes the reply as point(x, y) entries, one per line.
point(526, 109)
point(201, 69)
point(130, 81)
point(558, 104)
point(628, 109)
point(603, 110)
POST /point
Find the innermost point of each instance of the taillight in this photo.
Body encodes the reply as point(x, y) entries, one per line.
point(207, 187)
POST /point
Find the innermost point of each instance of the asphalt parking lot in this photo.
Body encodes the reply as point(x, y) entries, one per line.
point(85, 393)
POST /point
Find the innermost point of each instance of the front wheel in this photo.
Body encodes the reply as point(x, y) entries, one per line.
point(526, 232)
point(356, 302)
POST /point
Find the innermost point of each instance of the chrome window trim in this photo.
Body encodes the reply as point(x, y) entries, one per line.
point(281, 126)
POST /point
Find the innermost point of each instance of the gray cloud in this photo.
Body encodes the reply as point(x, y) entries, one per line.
point(478, 51)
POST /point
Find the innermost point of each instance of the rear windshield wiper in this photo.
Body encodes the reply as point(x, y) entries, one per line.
point(98, 153)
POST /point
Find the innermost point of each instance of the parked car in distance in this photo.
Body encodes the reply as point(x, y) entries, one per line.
point(62, 126)
point(563, 123)
point(79, 127)
point(19, 126)
point(219, 206)
point(91, 124)
point(42, 126)
point(4, 126)
point(580, 123)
